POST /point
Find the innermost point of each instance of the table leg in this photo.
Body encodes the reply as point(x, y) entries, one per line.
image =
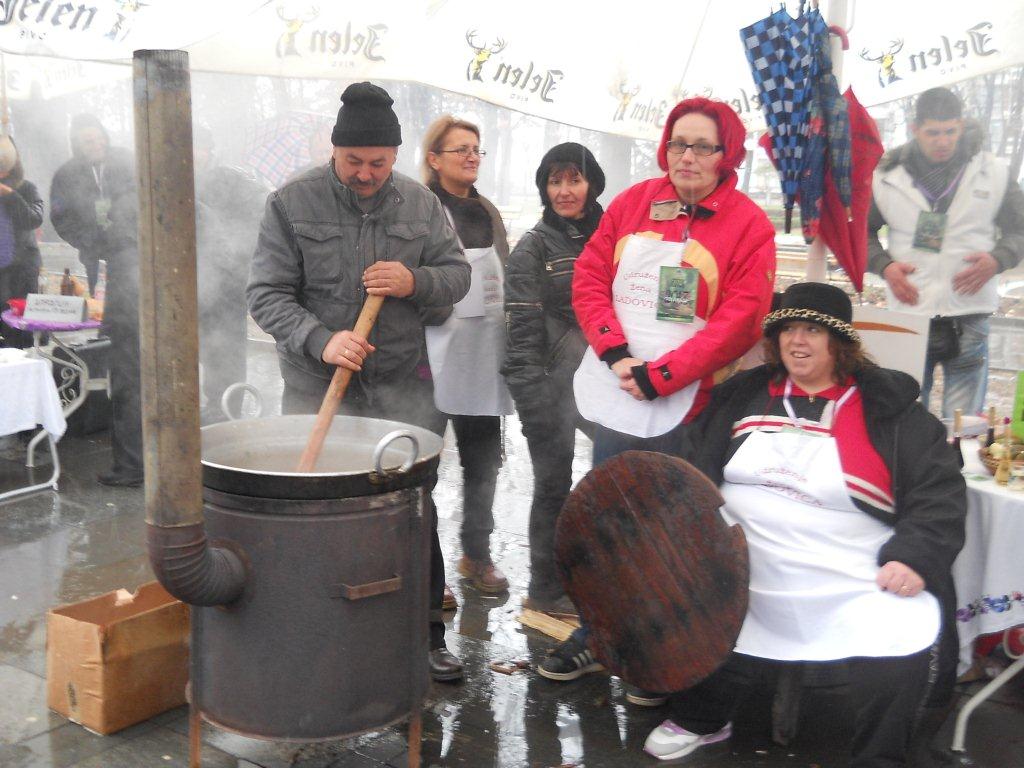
point(960, 732)
point(78, 367)
point(54, 475)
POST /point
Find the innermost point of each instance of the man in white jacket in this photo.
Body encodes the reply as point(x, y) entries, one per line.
point(956, 219)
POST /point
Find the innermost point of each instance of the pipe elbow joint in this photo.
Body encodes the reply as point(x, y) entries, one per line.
point(192, 570)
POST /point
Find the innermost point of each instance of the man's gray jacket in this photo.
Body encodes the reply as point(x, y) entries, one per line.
point(306, 283)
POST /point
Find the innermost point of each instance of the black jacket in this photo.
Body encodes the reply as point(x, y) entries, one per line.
point(73, 195)
point(929, 491)
point(545, 343)
point(25, 207)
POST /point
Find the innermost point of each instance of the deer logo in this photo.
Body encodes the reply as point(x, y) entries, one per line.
point(126, 9)
point(286, 43)
point(625, 96)
point(886, 62)
point(483, 53)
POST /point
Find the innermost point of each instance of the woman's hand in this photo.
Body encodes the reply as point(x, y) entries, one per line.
point(624, 370)
point(899, 579)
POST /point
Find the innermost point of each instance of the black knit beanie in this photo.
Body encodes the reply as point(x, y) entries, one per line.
point(578, 155)
point(366, 118)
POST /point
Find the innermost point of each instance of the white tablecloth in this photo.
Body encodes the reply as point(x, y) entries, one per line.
point(989, 572)
point(29, 396)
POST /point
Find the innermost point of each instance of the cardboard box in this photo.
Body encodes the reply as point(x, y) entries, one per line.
point(117, 659)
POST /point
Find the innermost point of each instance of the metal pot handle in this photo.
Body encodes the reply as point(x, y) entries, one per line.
point(225, 399)
point(390, 437)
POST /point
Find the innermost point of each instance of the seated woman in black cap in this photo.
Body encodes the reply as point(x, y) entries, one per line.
point(545, 346)
point(853, 508)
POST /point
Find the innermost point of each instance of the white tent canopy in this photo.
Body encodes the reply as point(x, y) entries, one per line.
point(572, 62)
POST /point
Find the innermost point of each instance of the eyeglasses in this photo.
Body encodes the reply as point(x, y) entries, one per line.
point(465, 151)
point(700, 148)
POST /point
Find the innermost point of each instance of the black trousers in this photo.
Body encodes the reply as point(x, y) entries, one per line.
point(411, 401)
point(17, 280)
point(550, 432)
point(479, 442)
point(885, 694)
point(125, 397)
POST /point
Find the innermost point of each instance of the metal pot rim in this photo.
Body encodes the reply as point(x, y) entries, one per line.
point(429, 444)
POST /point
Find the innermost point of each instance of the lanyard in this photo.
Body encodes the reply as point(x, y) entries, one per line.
point(835, 411)
point(98, 175)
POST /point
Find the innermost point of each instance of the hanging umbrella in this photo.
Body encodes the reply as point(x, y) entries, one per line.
point(847, 235)
point(844, 224)
point(778, 49)
point(828, 133)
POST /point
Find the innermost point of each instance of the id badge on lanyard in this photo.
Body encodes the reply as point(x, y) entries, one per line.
point(930, 231)
point(677, 294)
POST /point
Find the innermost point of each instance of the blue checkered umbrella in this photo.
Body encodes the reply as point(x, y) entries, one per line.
point(780, 55)
point(828, 134)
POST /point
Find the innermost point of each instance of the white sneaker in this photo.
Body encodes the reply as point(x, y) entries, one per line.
point(670, 742)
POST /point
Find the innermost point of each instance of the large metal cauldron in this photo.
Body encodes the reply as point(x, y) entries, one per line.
point(329, 636)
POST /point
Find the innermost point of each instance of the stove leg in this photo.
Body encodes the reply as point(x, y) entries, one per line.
point(415, 738)
point(195, 730)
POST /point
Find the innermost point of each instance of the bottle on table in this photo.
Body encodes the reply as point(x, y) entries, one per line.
point(958, 425)
point(67, 285)
point(991, 436)
point(1003, 469)
point(101, 282)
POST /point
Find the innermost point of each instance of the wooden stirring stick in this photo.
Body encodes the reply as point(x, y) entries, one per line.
point(336, 391)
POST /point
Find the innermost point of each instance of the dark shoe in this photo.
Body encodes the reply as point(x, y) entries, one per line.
point(444, 666)
point(484, 576)
point(448, 602)
point(561, 606)
point(121, 479)
point(643, 698)
point(569, 661)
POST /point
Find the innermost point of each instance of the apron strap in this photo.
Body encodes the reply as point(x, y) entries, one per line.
point(835, 410)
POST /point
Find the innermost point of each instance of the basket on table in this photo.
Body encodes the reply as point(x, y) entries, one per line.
point(991, 461)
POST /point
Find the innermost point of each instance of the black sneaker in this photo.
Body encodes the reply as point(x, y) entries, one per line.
point(643, 698)
point(569, 661)
point(120, 479)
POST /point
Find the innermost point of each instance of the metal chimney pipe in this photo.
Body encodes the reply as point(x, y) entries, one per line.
point(183, 561)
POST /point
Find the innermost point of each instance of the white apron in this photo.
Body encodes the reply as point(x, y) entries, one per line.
point(467, 350)
point(635, 296)
point(813, 595)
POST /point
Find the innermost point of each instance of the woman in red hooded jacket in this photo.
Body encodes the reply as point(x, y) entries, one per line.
point(671, 289)
point(670, 292)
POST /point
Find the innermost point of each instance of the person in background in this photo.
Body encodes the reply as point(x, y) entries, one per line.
point(83, 190)
point(956, 220)
point(545, 345)
point(330, 238)
point(94, 206)
point(230, 203)
point(21, 214)
point(466, 343)
point(669, 292)
point(853, 508)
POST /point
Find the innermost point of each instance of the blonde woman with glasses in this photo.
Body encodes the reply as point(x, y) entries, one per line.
point(466, 344)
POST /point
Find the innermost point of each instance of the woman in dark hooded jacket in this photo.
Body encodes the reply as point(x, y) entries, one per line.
point(545, 345)
point(21, 214)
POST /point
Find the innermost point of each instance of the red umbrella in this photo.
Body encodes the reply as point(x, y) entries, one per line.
point(844, 231)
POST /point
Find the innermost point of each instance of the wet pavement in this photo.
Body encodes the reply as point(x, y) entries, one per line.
point(58, 548)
